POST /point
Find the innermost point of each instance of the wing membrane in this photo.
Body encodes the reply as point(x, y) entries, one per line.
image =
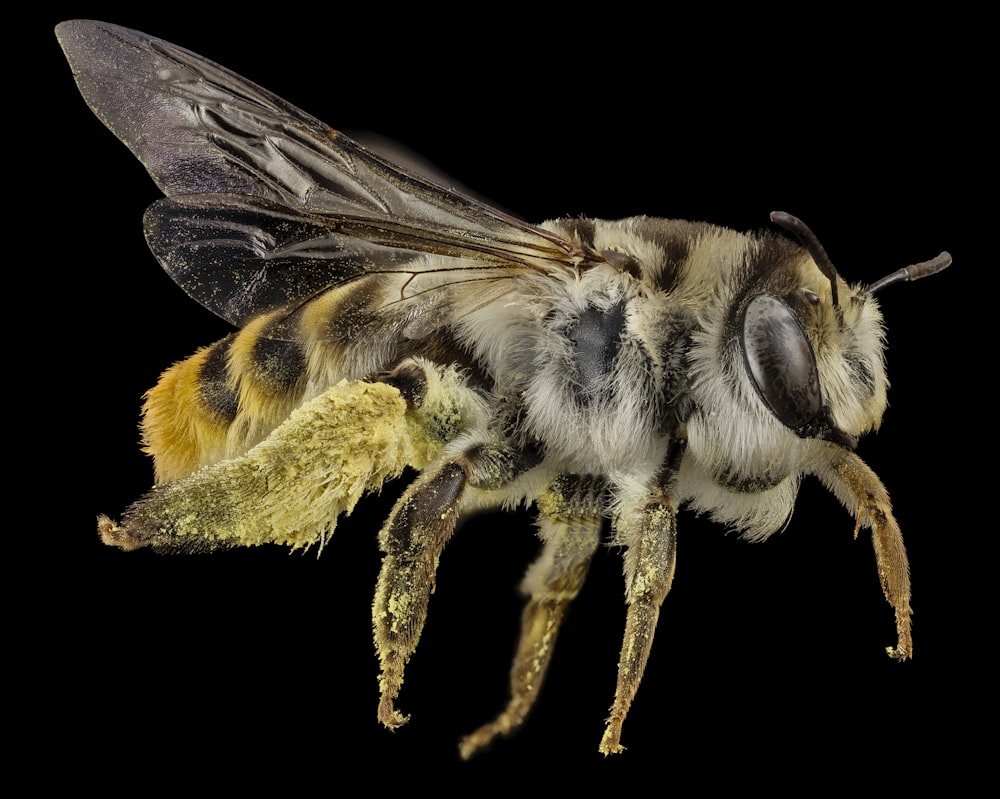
point(241, 256)
point(263, 165)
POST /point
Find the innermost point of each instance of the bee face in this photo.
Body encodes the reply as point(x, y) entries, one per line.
point(593, 370)
point(814, 364)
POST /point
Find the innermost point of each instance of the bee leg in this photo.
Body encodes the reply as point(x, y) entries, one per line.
point(414, 535)
point(651, 537)
point(867, 498)
point(569, 525)
point(649, 533)
point(290, 488)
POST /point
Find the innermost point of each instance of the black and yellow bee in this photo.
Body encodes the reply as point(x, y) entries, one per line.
point(596, 370)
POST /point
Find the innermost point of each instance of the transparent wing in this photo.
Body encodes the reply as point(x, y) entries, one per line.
point(242, 256)
point(292, 204)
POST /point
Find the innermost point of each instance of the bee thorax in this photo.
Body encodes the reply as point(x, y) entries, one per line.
point(594, 393)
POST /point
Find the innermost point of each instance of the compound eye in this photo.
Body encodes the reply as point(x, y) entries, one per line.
point(781, 361)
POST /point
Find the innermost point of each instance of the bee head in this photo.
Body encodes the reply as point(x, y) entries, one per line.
point(818, 365)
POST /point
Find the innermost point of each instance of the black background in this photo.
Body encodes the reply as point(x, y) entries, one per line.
point(768, 666)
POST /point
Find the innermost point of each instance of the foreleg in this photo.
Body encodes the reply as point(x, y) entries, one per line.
point(861, 491)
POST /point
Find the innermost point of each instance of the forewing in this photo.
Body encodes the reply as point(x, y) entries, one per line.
point(256, 164)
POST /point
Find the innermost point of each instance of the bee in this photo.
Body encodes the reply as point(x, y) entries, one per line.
point(600, 371)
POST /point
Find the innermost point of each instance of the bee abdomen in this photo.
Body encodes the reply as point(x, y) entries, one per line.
point(230, 396)
point(221, 401)
point(187, 414)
